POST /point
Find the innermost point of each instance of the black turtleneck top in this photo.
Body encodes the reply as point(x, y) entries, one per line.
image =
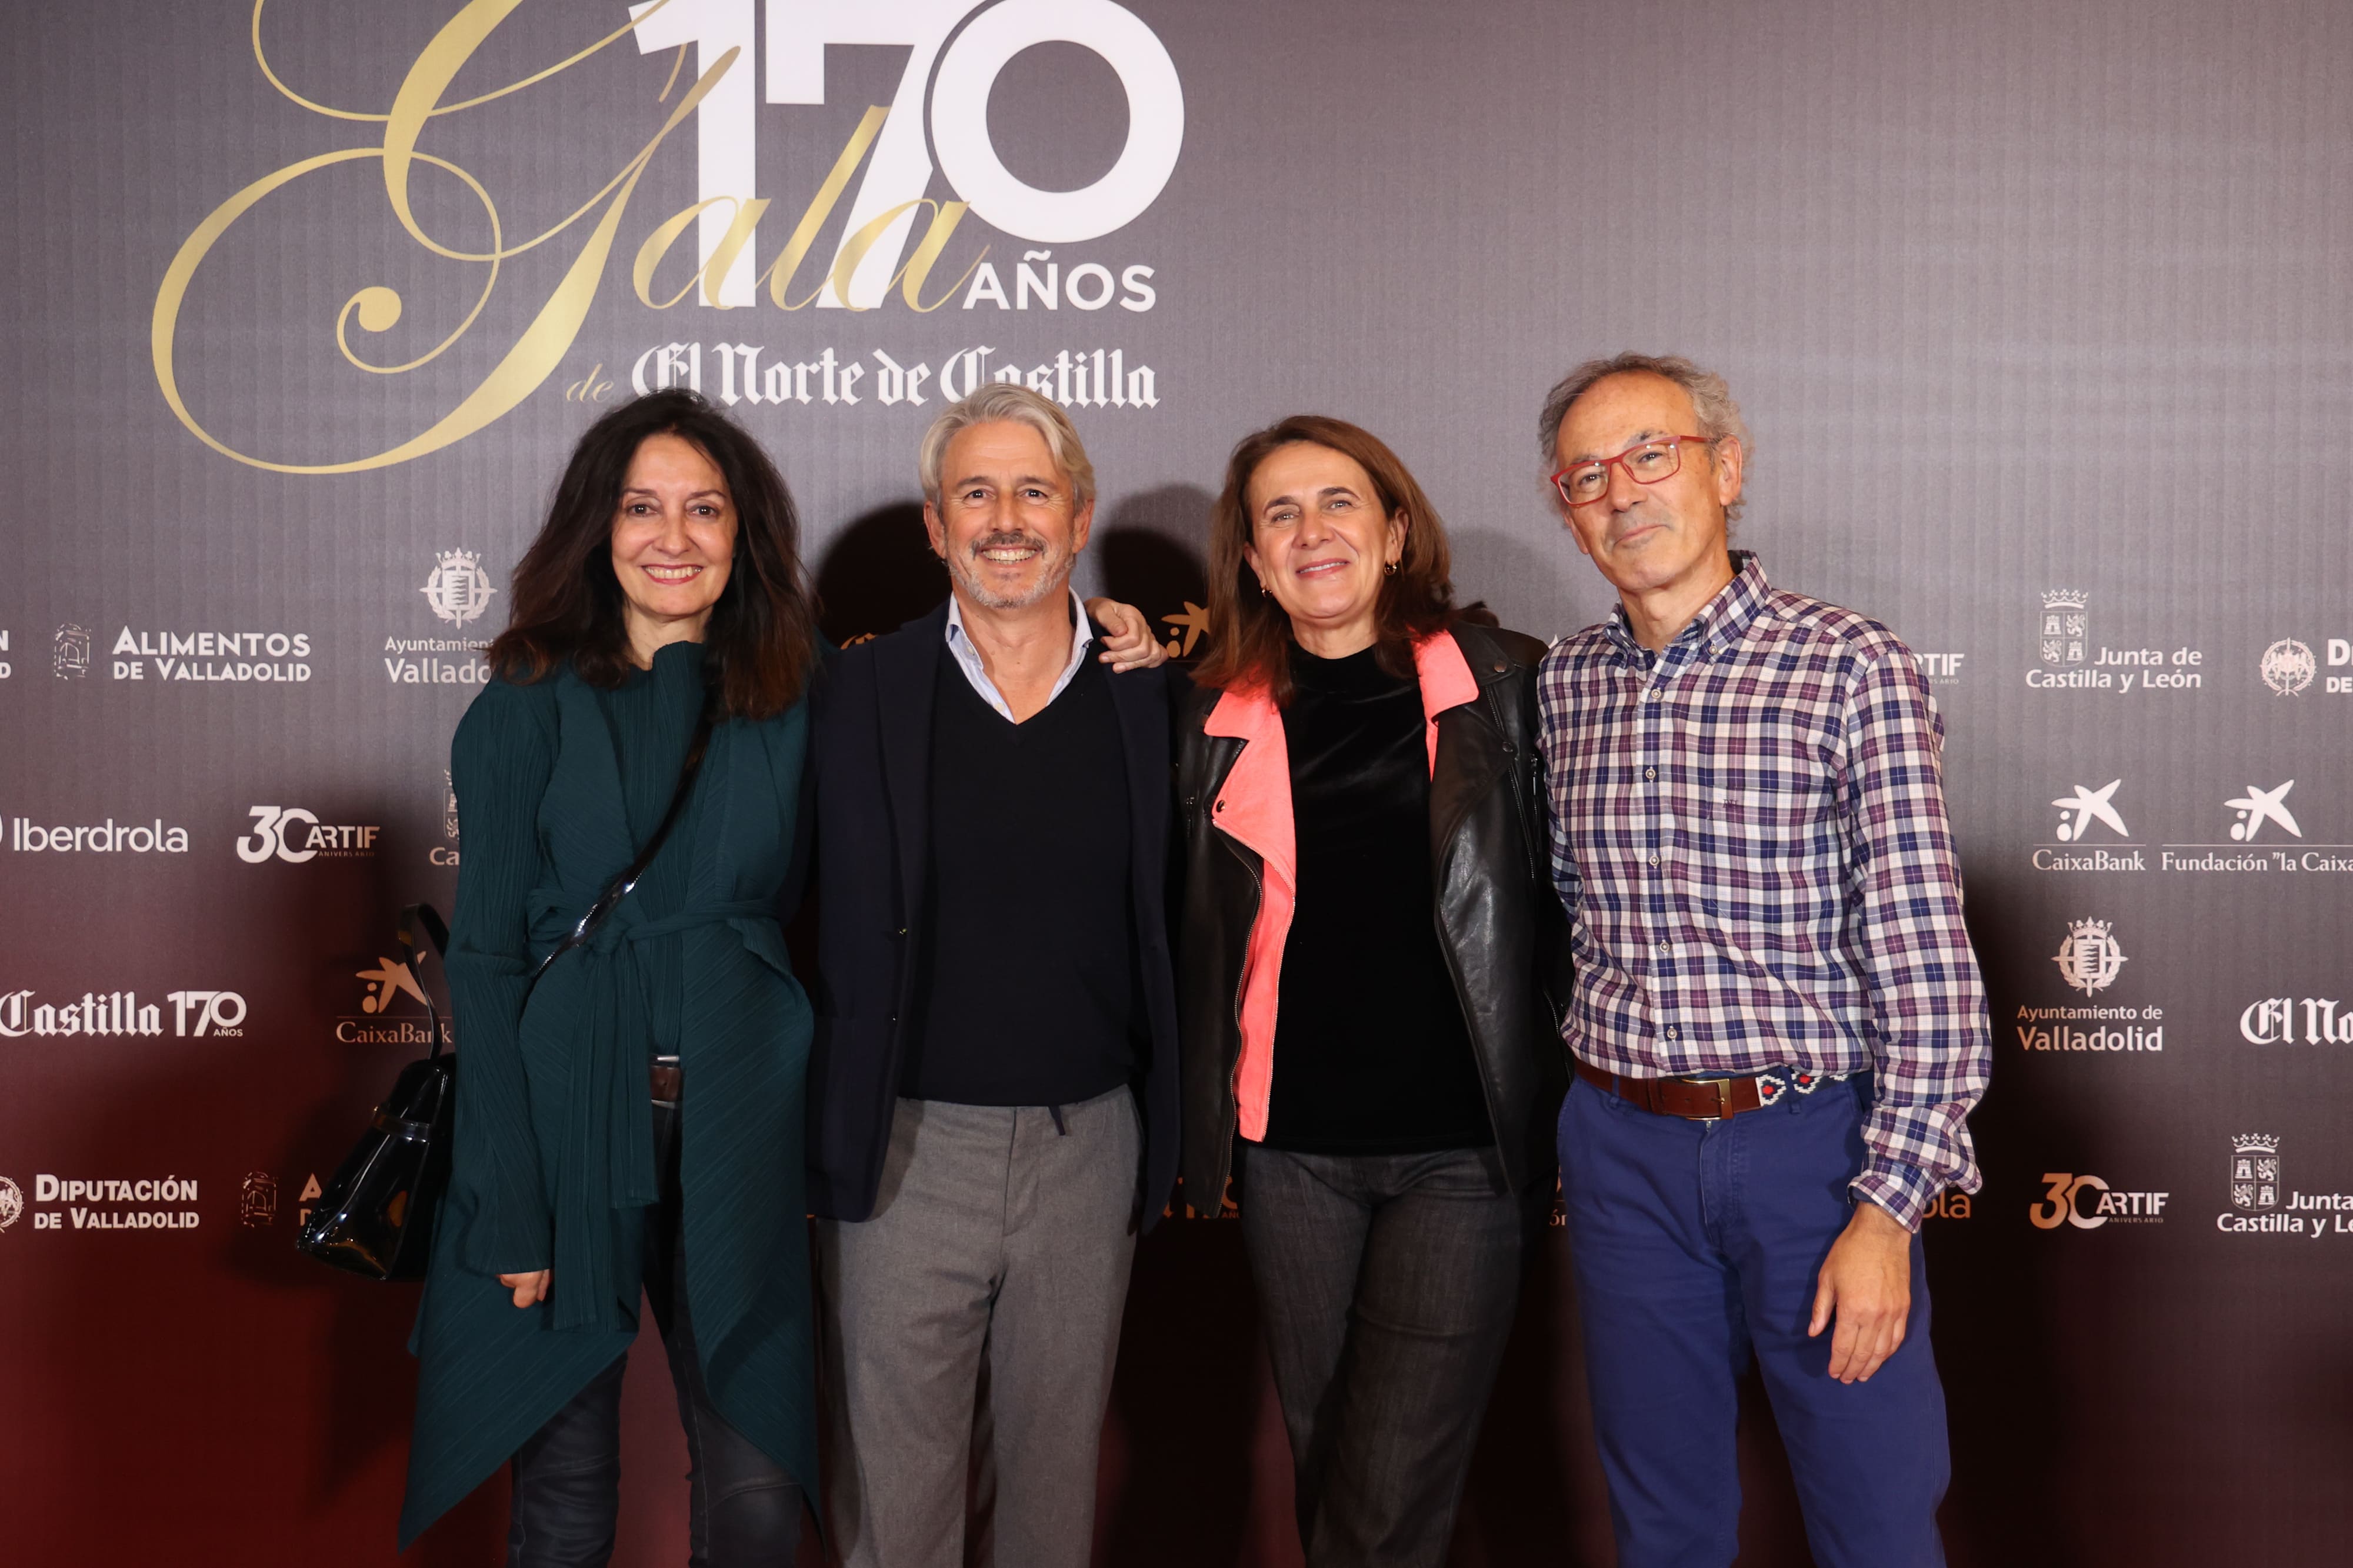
point(1371, 1053)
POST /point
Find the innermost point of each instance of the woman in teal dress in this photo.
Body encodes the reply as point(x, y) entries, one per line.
point(633, 1123)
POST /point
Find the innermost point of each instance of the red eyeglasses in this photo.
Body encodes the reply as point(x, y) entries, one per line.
point(1582, 484)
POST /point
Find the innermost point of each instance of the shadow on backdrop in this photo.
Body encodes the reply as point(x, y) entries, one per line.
point(878, 573)
point(1149, 553)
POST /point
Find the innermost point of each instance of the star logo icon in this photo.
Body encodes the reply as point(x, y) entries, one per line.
point(2077, 812)
point(1193, 623)
point(2258, 806)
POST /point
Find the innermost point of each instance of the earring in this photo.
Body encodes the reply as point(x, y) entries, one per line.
point(1264, 589)
point(1389, 570)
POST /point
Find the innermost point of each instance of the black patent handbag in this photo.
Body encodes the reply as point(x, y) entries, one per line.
point(375, 1215)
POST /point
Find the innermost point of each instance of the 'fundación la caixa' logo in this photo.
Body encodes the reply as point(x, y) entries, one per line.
point(894, 239)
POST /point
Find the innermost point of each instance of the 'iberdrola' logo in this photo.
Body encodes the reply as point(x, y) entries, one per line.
point(458, 590)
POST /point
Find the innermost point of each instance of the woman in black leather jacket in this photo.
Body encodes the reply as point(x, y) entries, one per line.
point(1364, 974)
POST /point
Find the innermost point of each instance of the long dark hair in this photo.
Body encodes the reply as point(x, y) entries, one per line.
point(1250, 635)
point(567, 606)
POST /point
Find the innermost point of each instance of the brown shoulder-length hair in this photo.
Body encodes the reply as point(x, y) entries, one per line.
point(567, 604)
point(1250, 635)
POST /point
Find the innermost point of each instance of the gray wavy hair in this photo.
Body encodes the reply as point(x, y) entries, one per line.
point(1711, 397)
point(1006, 401)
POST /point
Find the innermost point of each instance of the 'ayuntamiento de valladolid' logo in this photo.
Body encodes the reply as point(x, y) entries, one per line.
point(458, 590)
point(2089, 960)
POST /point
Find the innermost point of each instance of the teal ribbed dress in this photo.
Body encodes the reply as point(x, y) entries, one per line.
point(557, 784)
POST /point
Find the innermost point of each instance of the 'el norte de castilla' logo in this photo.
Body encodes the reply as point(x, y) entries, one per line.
point(937, 123)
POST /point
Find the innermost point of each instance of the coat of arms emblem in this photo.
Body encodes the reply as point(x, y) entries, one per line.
point(2065, 629)
point(2256, 1172)
point(2089, 960)
point(2288, 667)
point(256, 1200)
point(70, 652)
point(459, 589)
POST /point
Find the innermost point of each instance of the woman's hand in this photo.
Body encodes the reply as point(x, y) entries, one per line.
point(1128, 642)
point(529, 1289)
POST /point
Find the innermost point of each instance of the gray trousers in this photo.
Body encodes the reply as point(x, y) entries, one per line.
point(970, 1329)
point(1388, 1284)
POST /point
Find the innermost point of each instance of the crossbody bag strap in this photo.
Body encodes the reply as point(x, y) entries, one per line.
point(413, 919)
point(619, 887)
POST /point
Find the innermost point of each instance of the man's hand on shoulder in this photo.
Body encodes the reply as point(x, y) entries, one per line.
point(1866, 1285)
point(1128, 642)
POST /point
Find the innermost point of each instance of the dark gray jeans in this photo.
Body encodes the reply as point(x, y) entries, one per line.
point(745, 1509)
point(1388, 1284)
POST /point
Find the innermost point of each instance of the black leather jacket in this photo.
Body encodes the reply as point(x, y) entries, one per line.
point(1499, 919)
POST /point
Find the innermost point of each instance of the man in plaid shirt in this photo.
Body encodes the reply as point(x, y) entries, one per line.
point(1780, 1027)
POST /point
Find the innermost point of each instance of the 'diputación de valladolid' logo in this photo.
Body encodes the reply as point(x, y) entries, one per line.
point(2089, 959)
point(12, 1203)
point(459, 589)
point(2256, 1172)
point(2288, 667)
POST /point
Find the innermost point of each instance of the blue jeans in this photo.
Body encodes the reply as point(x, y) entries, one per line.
point(1697, 1247)
point(745, 1508)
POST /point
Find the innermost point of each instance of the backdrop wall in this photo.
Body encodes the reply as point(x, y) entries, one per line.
point(2038, 314)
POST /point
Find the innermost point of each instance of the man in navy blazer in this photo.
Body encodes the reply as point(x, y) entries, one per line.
point(992, 1101)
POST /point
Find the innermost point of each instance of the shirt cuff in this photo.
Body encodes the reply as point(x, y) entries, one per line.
point(1903, 1191)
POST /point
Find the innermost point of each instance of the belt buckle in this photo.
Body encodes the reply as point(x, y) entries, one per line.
point(1722, 1087)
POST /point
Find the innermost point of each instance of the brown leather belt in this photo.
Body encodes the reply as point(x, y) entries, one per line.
point(668, 1079)
point(1694, 1099)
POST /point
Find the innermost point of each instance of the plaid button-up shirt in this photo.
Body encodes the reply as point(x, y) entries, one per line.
point(1748, 831)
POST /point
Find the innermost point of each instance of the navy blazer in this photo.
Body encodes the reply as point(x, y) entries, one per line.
point(871, 711)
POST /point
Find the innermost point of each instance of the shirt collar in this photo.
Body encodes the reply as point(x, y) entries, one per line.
point(1720, 623)
point(1081, 634)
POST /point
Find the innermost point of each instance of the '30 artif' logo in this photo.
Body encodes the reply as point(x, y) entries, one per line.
point(2089, 960)
point(2256, 1172)
point(458, 590)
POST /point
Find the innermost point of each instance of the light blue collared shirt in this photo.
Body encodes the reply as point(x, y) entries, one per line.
point(967, 657)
